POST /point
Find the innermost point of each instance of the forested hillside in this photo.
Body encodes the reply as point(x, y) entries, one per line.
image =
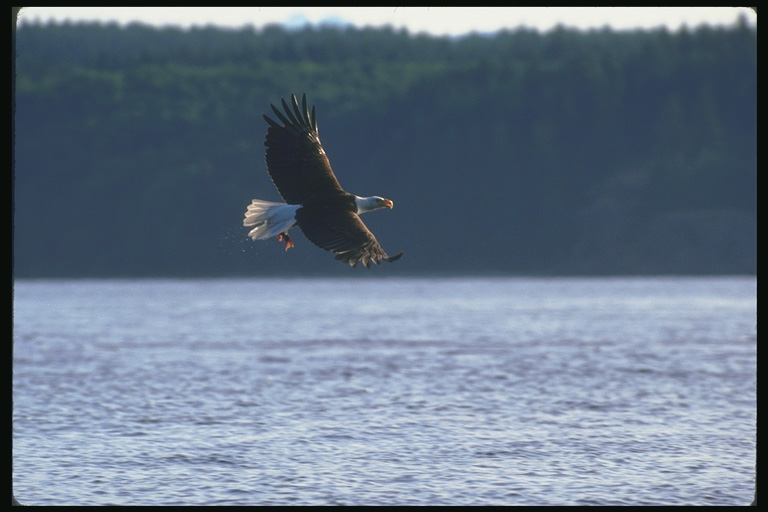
point(137, 149)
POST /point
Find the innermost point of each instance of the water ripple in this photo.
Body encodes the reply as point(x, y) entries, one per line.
point(449, 392)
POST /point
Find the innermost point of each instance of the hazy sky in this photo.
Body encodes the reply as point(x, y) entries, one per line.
point(434, 20)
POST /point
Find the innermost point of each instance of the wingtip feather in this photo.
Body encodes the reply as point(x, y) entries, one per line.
point(288, 110)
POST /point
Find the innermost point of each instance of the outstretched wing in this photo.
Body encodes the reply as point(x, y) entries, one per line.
point(296, 161)
point(341, 231)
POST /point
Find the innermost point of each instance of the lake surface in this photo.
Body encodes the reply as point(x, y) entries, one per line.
point(385, 392)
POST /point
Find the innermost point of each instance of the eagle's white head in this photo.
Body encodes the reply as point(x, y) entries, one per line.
point(367, 204)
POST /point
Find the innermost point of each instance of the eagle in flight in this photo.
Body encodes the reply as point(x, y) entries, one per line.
point(328, 215)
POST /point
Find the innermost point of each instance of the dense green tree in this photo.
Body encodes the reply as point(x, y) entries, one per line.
point(137, 149)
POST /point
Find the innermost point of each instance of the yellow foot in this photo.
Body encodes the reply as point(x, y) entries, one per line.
point(288, 241)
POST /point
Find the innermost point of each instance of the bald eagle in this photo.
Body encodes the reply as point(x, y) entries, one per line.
point(327, 215)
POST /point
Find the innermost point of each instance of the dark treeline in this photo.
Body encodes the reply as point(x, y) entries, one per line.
point(137, 149)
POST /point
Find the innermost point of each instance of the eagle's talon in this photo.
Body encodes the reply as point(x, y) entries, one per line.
point(284, 237)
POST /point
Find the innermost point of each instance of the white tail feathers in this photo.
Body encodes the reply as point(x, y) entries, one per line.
point(270, 219)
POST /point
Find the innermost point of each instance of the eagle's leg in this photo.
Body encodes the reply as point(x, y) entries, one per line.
point(288, 241)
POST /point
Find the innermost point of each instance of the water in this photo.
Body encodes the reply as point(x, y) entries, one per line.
point(385, 392)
